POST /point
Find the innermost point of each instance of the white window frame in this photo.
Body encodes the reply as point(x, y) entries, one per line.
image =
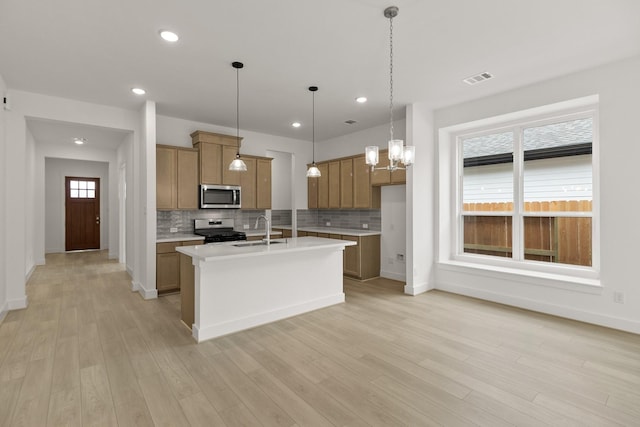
point(451, 217)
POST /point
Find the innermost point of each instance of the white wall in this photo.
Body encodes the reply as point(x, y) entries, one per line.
point(618, 154)
point(125, 159)
point(354, 143)
point(55, 172)
point(172, 131)
point(3, 179)
point(30, 205)
point(393, 240)
point(281, 180)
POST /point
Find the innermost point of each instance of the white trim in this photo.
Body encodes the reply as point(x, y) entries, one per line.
point(3, 312)
point(17, 304)
point(146, 293)
point(451, 174)
point(417, 288)
point(552, 309)
point(401, 277)
point(29, 273)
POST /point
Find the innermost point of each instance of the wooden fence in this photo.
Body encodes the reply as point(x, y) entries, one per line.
point(565, 240)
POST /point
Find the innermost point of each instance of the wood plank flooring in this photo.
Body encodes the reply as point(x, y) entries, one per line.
point(88, 351)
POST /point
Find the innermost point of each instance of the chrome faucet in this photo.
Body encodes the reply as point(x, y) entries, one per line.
point(267, 225)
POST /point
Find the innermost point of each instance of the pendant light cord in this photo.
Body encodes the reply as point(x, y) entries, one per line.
point(313, 124)
point(391, 77)
point(238, 110)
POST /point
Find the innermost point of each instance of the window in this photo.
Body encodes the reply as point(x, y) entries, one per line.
point(525, 193)
point(82, 189)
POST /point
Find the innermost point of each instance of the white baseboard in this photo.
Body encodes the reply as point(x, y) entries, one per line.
point(543, 307)
point(208, 332)
point(129, 271)
point(18, 303)
point(146, 293)
point(417, 289)
point(4, 309)
point(393, 275)
point(28, 276)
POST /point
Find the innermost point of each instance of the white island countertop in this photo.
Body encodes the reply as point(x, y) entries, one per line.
point(244, 249)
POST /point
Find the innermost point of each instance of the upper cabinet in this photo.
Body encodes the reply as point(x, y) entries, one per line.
point(344, 183)
point(385, 177)
point(214, 150)
point(216, 153)
point(176, 178)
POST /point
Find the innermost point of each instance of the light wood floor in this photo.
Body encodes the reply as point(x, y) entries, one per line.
point(88, 351)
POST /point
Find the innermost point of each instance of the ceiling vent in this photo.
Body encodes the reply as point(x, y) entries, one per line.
point(478, 78)
point(350, 122)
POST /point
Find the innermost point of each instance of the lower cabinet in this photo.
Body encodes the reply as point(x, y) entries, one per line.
point(362, 261)
point(187, 291)
point(168, 266)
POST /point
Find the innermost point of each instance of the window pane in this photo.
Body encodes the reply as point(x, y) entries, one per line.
point(91, 194)
point(557, 166)
point(488, 173)
point(73, 184)
point(565, 240)
point(488, 235)
point(82, 194)
point(73, 194)
point(91, 185)
point(83, 185)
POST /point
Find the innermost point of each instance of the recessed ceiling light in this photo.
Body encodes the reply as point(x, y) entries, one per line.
point(138, 91)
point(296, 124)
point(361, 99)
point(79, 141)
point(169, 36)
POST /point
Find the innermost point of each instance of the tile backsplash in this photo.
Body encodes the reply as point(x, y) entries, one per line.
point(338, 218)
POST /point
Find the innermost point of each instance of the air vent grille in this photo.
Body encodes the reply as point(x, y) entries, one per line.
point(478, 78)
point(350, 122)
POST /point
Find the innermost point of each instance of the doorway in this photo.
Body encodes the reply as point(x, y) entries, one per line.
point(82, 213)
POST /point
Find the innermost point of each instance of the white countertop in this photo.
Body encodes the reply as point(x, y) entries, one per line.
point(331, 230)
point(177, 237)
point(228, 250)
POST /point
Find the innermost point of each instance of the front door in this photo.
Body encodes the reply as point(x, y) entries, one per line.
point(82, 213)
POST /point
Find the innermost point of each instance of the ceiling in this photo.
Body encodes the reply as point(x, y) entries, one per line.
point(96, 51)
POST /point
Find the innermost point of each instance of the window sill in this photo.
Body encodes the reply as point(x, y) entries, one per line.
point(530, 277)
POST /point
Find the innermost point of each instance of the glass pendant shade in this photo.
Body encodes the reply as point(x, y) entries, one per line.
point(409, 155)
point(396, 147)
point(313, 171)
point(238, 165)
point(371, 155)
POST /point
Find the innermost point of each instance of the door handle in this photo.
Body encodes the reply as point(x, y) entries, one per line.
point(97, 220)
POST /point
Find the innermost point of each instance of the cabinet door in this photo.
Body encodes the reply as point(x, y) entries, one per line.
point(167, 271)
point(334, 185)
point(263, 183)
point(287, 233)
point(210, 163)
point(346, 183)
point(248, 184)
point(229, 177)
point(323, 186)
point(381, 177)
point(351, 266)
point(312, 193)
point(166, 190)
point(399, 176)
point(361, 183)
point(187, 179)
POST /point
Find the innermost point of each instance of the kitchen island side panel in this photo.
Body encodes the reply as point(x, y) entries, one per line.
point(236, 294)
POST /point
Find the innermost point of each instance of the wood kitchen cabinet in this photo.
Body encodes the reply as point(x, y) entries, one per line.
point(334, 185)
point(168, 265)
point(365, 196)
point(248, 183)
point(176, 178)
point(213, 154)
point(263, 183)
point(346, 183)
point(312, 192)
point(362, 261)
point(323, 186)
point(385, 177)
point(229, 177)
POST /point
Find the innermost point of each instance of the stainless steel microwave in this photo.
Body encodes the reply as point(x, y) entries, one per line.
point(219, 196)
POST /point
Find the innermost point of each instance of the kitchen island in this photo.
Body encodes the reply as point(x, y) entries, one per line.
point(233, 286)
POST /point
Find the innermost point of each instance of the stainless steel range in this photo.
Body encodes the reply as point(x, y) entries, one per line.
point(217, 230)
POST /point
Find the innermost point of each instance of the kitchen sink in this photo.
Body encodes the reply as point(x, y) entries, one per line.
point(261, 243)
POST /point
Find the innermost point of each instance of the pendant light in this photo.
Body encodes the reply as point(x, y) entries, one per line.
point(398, 152)
point(238, 164)
point(313, 171)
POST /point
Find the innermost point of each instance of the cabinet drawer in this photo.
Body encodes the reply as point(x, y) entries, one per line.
point(166, 247)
